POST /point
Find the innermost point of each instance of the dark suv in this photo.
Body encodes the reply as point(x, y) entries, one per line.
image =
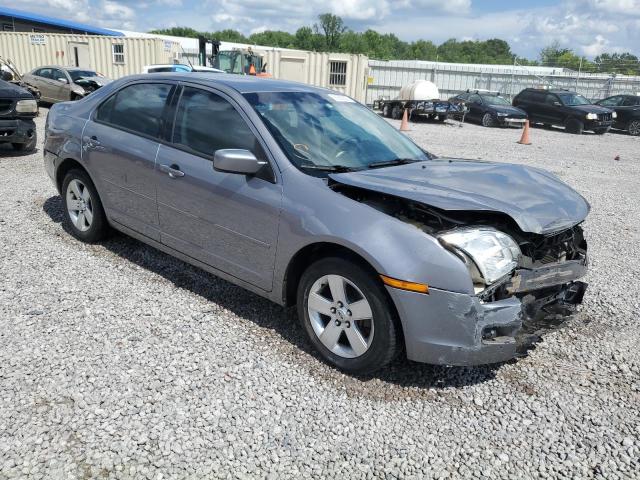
point(627, 108)
point(17, 110)
point(564, 108)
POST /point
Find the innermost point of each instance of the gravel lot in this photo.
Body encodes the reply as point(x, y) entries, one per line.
point(117, 361)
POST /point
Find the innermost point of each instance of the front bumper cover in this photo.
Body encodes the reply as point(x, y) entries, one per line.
point(17, 130)
point(448, 328)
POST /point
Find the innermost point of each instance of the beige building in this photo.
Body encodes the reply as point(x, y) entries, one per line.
point(114, 57)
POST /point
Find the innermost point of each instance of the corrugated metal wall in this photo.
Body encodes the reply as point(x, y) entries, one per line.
point(312, 68)
point(389, 76)
point(30, 50)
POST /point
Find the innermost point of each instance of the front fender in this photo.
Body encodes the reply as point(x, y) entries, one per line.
point(314, 213)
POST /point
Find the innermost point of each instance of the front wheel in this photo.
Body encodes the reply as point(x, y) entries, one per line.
point(488, 120)
point(575, 126)
point(634, 128)
point(347, 316)
point(83, 212)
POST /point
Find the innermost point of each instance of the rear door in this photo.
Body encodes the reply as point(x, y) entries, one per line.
point(628, 110)
point(120, 143)
point(551, 110)
point(225, 220)
point(476, 110)
point(41, 79)
point(60, 85)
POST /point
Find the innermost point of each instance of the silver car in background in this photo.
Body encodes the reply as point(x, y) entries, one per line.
point(308, 198)
point(61, 84)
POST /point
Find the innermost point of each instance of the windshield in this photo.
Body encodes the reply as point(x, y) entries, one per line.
point(495, 100)
point(229, 61)
point(572, 99)
point(328, 132)
point(78, 74)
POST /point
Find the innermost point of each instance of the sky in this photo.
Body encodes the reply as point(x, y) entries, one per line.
point(588, 27)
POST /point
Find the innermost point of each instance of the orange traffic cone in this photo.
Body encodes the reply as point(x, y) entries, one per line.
point(404, 126)
point(524, 140)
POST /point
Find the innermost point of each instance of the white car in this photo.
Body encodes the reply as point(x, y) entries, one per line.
point(178, 67)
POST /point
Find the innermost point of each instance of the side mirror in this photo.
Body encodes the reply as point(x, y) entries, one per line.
point(557, 103)
point(233, 160)
point(62, 80)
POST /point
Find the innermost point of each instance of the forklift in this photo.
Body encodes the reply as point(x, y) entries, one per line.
point(239, 61)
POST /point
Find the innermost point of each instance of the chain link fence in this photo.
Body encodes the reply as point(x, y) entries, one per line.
point(387, 77)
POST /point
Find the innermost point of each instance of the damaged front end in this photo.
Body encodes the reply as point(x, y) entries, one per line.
point(531, 283)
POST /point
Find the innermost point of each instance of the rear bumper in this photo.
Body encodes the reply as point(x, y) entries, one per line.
point(17, 130)
point(448, 328)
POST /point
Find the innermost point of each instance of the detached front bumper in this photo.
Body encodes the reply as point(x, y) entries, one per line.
point(17, 130)
point(448, 328)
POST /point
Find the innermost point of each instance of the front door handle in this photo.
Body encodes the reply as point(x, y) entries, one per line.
point(172, 170)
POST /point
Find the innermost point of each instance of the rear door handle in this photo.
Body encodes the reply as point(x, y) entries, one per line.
point(92, 142)
point(172, 170)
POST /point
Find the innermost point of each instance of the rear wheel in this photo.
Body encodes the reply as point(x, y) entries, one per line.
point(347, 316)
point(396, 113)
point(386, 111)
point(488, 120)
point(634, 127)
point(575, 126)
point(442, 118)
point(84, 215)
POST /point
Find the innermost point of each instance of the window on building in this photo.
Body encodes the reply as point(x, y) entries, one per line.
point(118, 52)
point(337, 73)
point(7, 27)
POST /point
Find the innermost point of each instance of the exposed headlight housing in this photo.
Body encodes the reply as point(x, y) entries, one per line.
point(614, 115)
point(26, 106)
point(493, 253)
point(500, 114)
point(592, 116)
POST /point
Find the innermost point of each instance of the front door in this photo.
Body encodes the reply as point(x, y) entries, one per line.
point(79, 54)
point(120, 145)
point(225, 220)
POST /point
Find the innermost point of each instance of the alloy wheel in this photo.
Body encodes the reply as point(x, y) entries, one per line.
point(634, 128)
point(340, 316)
point(79, 205)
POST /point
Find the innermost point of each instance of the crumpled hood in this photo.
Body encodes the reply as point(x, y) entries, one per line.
point(538, 201)
point(102, 81)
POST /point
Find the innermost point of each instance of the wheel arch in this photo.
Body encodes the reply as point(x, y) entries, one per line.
point(67, 165)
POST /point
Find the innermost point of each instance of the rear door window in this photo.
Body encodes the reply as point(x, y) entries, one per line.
point(138, 108)
point(631, 101)
point(206, 122)
point(475, 98)
point(611, 102)
point(551, 99)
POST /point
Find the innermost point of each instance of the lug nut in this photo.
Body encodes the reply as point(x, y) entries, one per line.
point(333, 309)
point(349, 312)
point(338, 323)
point(340, 304)
point(348, 324)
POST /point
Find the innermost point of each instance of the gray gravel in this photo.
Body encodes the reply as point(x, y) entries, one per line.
point(117, 361)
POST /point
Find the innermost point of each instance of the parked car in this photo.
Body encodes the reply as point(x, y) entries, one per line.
point(10, 73)
point(564, 108)
point(490, 109)
point(627, 108)
point(18, 108)
point(60, 84)
point(178, 67)
point(308, 198)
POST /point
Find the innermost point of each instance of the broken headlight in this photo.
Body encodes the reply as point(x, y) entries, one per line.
point(493, 253)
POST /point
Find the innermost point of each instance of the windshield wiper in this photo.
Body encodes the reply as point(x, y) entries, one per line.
point(389, 163)
point(329, 168)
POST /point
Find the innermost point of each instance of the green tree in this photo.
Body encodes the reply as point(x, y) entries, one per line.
point(273, 38)
point(332, 27)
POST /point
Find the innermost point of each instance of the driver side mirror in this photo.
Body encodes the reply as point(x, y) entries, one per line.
point(233, 160)
point(557, 103)
point(62, 80)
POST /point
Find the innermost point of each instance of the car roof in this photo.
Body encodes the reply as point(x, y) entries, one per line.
point(63, 67)
point(240, 83)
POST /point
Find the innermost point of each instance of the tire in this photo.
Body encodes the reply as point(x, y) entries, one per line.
point(396, 113)
point(377, 334)
point(442, 118)
point(28, 146)
point(79, 198)
point(575, 126)
point(386, 111)
point(634, 127)
point(488, 120)
point(601, 131)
